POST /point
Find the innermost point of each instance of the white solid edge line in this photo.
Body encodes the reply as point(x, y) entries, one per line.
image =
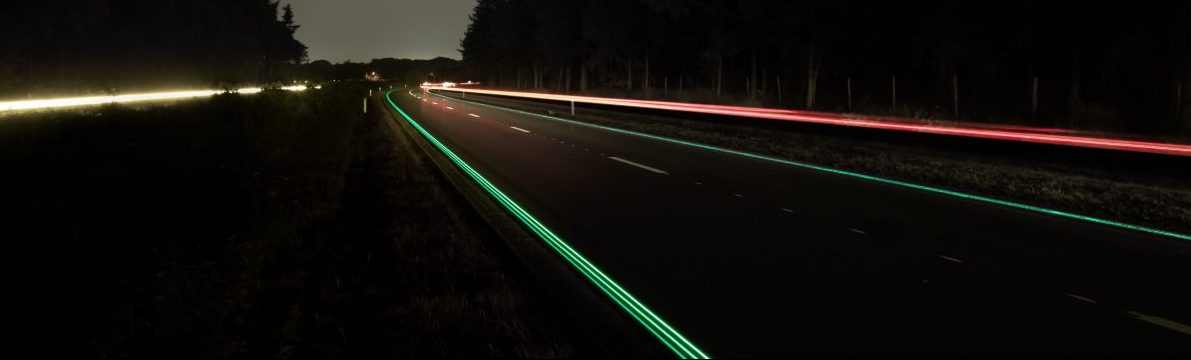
point(520, 129)
point(1163, 322)
point(639, 165)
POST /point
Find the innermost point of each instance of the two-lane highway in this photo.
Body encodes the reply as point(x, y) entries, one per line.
point(749, 256)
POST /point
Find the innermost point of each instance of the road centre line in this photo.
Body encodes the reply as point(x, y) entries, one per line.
point(659, 171)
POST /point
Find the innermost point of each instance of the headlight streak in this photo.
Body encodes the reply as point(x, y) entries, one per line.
point(666, 334)
point(123, 99)
point(1007, 203)
point(1006, 133)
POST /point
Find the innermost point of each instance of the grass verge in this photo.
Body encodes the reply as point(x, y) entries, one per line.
point(277, 225)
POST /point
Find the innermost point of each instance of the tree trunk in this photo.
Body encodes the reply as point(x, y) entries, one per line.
point(753, 84)
point(955, 93)
point(779, 91)
point(810, 77)
point(567, 86)
point(629, 84)
point(645, 82)
point(719, 76)
point(815, 86)
point(583, 76)
point(537, 76)
point(1178, 104)
point(849, 81)
point(1034, 101)
point(1073, 97)
point(765, 80)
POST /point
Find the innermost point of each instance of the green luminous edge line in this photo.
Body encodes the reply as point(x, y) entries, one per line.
point(1007, 203)
point(666, 334)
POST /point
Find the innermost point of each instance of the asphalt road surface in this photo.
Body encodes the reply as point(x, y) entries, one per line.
point(749, 257)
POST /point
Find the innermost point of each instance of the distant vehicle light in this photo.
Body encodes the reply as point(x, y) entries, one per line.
point(448, 84)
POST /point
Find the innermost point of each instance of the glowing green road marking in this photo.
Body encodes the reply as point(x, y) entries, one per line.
point(538, 227)
point(670, 337)
point(854, 174)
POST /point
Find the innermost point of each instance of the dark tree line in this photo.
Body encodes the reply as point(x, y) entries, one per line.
point(398, 70)
point(1100, 65)
point(116, 45)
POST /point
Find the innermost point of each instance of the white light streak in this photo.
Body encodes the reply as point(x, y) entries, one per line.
point(122, 99)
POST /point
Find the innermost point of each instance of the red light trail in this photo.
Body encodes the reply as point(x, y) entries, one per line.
point(995, 132)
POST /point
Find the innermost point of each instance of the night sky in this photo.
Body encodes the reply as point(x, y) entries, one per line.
point(361, 30)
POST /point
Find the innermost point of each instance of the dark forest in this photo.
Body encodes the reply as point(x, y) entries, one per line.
point(1096, 66)
point(60, 46)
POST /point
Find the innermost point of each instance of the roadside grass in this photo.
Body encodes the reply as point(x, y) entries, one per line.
point(1159, 198)
point(275, 225)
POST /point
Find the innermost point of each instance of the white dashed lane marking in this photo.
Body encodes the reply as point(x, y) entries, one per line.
point(1081, 298)
point(519, 129)
point(651, 169)
point(951, 259)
